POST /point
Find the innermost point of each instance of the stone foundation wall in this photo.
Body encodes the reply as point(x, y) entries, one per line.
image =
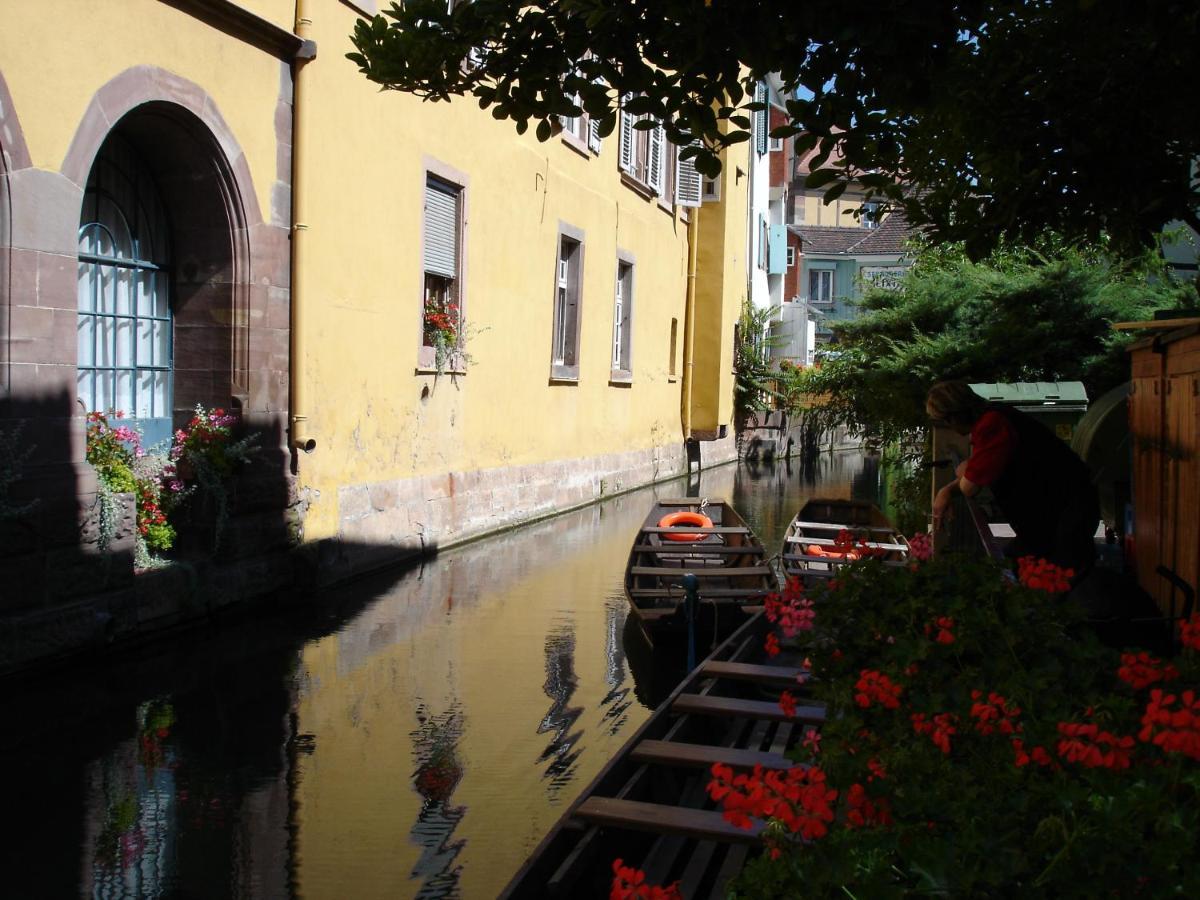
point(61, 594)
point(389, 521)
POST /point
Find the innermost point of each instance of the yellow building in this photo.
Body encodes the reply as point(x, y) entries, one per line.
point(562, 399)
point(203, 202)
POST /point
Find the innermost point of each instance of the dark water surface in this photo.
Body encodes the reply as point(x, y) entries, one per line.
point(414, 736)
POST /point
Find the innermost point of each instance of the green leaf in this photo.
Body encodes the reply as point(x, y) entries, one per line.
point(820, 178)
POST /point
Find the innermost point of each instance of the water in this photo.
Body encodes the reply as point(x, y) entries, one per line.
point(414, 736)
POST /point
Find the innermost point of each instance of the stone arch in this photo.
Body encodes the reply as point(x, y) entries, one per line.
point(216, 226)
point(14, 155)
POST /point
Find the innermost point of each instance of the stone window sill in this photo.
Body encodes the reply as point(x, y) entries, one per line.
point(620, 378)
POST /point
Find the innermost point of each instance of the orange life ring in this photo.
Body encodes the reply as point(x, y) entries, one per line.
point(698, 520)
point(818, 550)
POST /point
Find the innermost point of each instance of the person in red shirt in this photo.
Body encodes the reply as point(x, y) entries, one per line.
point(1043, 489)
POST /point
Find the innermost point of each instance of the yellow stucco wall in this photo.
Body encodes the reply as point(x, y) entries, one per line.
point(54, 60)
point(373, 418)
point(720, 290)
point(840, 212)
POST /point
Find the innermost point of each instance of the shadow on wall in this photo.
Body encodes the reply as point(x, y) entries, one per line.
point(69, 579)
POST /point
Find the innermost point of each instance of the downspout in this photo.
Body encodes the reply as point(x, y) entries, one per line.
point(689, 320)
point(298, 337)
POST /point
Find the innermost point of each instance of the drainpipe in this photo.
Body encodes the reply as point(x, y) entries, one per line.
point(298, 337)
point(689, 320)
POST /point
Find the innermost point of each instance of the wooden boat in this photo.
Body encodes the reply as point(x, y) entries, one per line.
point(711, 542)
point(810, 544)
point(649, 806)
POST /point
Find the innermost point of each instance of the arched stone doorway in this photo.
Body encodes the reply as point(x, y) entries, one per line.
point(163, 273)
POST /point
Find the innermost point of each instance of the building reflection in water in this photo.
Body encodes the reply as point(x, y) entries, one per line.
point(132, 795)
point(438, 772)
point(330, 755)
point(561, 682)
point(615, 704)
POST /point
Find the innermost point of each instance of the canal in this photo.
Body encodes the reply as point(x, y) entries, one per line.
point(414, 735)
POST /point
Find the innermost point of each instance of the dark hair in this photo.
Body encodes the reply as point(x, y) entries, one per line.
point(955, 402)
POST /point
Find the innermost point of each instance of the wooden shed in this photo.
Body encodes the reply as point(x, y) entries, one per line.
point(1164, 424)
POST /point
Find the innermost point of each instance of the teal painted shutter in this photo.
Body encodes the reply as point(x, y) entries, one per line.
point(777, 248)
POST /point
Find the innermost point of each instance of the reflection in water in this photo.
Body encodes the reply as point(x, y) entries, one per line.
point(280, 757)
point(134, 786)
point(560, 687)
point(616, 702)
point(435, 745)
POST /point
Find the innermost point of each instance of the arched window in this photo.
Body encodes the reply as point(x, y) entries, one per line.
point(124, 326)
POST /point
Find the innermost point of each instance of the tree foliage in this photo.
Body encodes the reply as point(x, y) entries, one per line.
point(1019, 315)
point(981, 119)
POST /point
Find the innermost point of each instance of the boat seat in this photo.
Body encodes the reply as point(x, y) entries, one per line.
point(702, 756)
point(754, 709)
point(831, 542)
point(772, 676)
point(722, 572)
point(682, 550)
point(833, 526)
point(662, 819)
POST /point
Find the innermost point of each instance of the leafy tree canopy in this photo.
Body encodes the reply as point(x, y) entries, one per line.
point(1019, 315)
point(981, 119)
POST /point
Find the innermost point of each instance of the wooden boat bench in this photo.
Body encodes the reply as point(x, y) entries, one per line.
point(662, 819)
point(832, 542)
point(744, 572)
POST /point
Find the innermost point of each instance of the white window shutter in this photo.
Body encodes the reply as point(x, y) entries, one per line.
point(657, 151)
point(594, 139)
point(618, 313)
point(441, 229)
point(761, 119)
point(627, 141)
point(687, 182)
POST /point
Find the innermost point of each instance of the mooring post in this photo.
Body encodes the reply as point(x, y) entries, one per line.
point(691, 587)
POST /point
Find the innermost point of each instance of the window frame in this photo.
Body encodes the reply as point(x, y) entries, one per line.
point(820, 271)
point(625, 288)
point(564, 372)
point(639, 174)
point(432, 169)
point(791, 255)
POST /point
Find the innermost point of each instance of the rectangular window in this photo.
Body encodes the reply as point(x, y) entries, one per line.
point(791, 256)
point(776, 144)
point(820, 285)
point(673, 371)
point(567, 280)
point(623, 322)
point(711, 191)
point(442, 259)
point(644, 152)
point(869, 215)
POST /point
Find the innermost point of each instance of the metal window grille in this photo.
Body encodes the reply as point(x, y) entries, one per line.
point(124, 325)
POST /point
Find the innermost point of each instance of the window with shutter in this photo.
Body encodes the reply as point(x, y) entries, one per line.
point(687, 182)
point(564, 354)
point(441, 315)
point(628, 141)
point(594, 139)
point(657, 147)
point(622, 368)
point(760, 119)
